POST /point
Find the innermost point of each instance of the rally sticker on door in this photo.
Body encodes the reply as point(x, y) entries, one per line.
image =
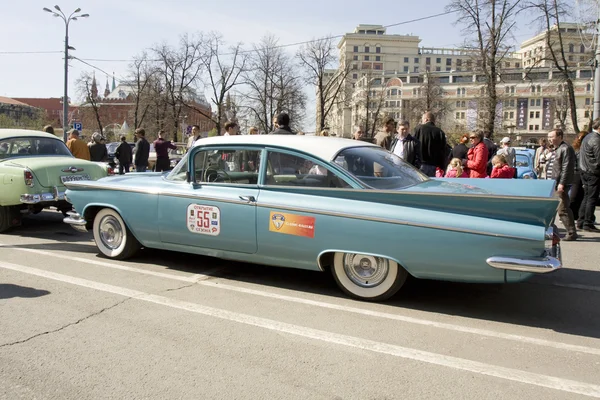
point(205, 220)
point(292, 224)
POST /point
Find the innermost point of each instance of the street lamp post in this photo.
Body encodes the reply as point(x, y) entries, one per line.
point(72, 17)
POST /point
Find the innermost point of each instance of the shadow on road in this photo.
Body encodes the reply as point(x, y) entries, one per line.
point(8, 291)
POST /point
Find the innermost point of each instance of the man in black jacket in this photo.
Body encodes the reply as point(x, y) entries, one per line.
point(433, 144)
point(589, 166)
point(405, 146)
point(141, 151)
point(283, 125)
point(563, 169)
point(123, 154)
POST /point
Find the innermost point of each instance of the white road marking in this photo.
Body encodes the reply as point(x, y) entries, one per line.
point(201, 279)
point(515, 375)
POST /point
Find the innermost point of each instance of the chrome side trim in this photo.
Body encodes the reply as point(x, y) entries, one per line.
point(41, 197)
point(537, 265)
point(76, 221)
point(392, 221)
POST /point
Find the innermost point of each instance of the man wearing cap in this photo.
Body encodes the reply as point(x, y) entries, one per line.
point(508, 152)
point(77, 147)
point(98, 150)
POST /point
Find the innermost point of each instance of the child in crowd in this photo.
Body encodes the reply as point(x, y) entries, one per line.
point(501, 168)
point(455, 169)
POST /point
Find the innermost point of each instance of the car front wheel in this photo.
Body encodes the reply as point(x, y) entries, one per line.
point(367, 277)
point(113, 238)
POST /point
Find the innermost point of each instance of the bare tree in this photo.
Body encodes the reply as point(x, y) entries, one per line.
point(223, 73)
point(141, 73)
point(429, 97)
point(550, 16)
point(272, 86)
point(180, 69)
point(369, 99)
point(317, 58)
point(488, 23)
point(84, 86)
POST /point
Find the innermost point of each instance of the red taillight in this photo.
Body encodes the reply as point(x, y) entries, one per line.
point(28, 176)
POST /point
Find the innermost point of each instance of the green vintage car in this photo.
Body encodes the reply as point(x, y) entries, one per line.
point(33, 169)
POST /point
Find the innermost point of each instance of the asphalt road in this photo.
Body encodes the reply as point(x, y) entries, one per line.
point(165, 325)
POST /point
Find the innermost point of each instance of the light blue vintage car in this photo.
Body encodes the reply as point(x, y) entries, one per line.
point(325, 203)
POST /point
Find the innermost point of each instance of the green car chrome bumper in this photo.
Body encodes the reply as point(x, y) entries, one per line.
point(36, 198)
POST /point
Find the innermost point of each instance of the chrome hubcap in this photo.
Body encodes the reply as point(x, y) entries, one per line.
point(111, 232)
point(365, 270)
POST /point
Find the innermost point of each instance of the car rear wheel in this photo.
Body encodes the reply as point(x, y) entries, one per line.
point(113, 238)
point(367, 277)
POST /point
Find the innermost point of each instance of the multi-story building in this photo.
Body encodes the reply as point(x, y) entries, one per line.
point(392, 75)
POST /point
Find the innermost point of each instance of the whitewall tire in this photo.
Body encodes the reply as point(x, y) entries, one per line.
point(113, 238)
point(367, 277)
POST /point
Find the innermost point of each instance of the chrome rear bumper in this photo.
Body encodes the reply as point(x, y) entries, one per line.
point(549, 261)
point(42, 197)
point(76, 221)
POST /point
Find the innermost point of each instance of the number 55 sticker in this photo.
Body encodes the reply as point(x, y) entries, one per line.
point(205, 220)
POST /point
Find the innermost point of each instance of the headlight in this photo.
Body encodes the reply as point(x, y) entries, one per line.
point(528, 175)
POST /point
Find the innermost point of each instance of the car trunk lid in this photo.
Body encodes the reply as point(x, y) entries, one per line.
point(53, 171)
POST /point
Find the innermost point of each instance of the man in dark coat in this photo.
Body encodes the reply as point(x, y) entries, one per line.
point(563, 169)
point(283, 123)
point(433, 144)
point(406, 146)
point(162, 146)
point(141, 151)
point(124, 155)
point(589, 166)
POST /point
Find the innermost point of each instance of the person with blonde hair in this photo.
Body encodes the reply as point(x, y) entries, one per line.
point(324, 132)
point(253, 131)
point(455, 169)
point(501, 168)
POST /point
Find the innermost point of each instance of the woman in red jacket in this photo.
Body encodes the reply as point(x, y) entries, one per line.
point(477, 157)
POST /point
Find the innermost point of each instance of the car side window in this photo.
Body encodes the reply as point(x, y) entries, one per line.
point(238, 166)
point(290, 170)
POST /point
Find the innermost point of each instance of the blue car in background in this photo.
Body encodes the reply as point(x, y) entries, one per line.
point(525, 168)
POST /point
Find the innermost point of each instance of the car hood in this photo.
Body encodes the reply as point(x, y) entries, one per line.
point(47, 170)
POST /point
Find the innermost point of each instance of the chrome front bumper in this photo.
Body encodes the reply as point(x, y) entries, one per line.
point(549, 261)
point(42, 197)
point(76, 221)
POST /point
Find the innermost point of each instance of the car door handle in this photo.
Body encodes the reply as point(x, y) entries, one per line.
point(248, 199)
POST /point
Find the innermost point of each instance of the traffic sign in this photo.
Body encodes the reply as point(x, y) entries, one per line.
point(77, 125)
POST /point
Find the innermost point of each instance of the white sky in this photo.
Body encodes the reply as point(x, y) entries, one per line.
point(120, 29)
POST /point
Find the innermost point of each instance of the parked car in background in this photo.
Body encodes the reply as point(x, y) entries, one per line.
point(34, 166)
point(175, 155)
point(524, 162)
point(323, 203)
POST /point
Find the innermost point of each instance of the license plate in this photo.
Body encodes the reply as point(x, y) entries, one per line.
point(73, 178)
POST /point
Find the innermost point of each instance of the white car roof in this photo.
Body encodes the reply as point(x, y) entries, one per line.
point(324, 147)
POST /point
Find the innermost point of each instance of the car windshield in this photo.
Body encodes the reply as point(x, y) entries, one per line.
point(522, 160)
point(32, 147)
point(112, 147)
point(378, 168)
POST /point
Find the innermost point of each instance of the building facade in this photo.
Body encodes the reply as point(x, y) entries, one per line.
point(393, 75)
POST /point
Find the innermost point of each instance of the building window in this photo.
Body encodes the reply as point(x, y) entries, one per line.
point(559, 88)
point(512, 114)
point(438, 69)
point(507, 64)
point(457, 115)
point(517, 65)
point(537, 114)
point(538, 102)
point(377, 66)
point(438, 60)
point(537, 127)
point(530, 127)
point(356, 49)
point(458, 91)
point(428, 61)
point(354, 66)
point(459, 63)
point(587, 101)
point(405, 59)
point(457, 104)
point(571, 48)
point(462, 115)
point(416, 69)
point(582, 49)
point(448, 69)
point(505, 114)
point(366, 58)
point(531, 114)
point(405, 69)
point(570, 58)
point(355, 58)
point(366, 49)
point(586, 114)
point(512, 103)
point(448, 62)
point(532, 102)
point(394, 92)
point(463, 103)
point(354, 76)
point(416, 60)
point(377, 50)
point(539, 89)
point(588, 87)
point(377, 58)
